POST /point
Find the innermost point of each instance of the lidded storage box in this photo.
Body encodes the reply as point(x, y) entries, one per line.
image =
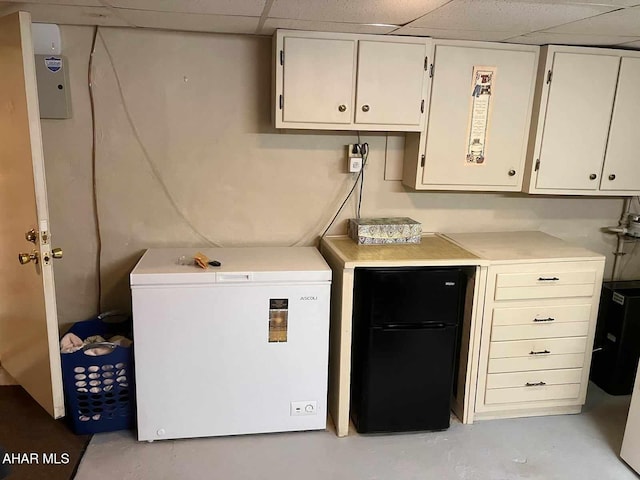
point(375, 231)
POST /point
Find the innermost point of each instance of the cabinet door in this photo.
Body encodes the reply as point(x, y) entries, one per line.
point(621, 166)
point(318, 80)
point(451, 112)
point(390, 80)
point(577, 120)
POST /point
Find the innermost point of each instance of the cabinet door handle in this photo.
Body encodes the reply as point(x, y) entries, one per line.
point(542, 352)
point(612, 177)
point(549, 319)
point(548, 279)
point(538, 384)
point(365, 108)
point(342, 108)
point(512, 173)
point(593, 176)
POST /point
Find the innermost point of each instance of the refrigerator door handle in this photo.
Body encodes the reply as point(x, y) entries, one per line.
point(411, 326)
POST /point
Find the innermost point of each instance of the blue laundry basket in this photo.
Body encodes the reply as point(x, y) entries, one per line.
point(99, 390)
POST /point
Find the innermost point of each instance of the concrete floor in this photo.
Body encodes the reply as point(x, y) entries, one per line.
point(563, 447)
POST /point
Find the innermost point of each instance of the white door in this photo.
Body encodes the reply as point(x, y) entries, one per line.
point(621, 169)
point(630, 452)
point(318, 80)
point(390, 81)
point(28, 320)
point(577, 121)
point(450, 117)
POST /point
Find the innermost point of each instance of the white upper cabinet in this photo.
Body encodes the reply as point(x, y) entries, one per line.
point(478, 118)
point(583, 139)
point(324, 67)
point(334, 81)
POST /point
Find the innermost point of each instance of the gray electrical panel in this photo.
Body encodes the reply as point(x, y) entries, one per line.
point(54, 96)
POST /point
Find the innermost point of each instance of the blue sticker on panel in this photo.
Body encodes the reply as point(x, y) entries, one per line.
point(53, 63)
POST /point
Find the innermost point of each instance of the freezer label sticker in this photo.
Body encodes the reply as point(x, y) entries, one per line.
point(278, 319)
point(53, 63)
point(618, 298)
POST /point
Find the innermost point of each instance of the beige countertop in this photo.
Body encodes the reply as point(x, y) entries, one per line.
point(433, 250)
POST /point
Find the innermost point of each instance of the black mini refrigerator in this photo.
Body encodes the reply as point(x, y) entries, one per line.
point(405, 344)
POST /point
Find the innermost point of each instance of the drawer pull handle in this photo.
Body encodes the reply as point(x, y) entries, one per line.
point(539, 384)
point(550, 319)
point(548, 279)
point(539, 353)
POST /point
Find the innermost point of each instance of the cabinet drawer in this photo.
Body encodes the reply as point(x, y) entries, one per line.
point(532, 394)
point(535, 362)
point(537, 347)
point(544, 284)
point(539, 330)
point(533, 378)
point(535, 279)
point(541, 315)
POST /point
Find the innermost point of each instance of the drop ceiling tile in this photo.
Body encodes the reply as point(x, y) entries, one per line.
point(456, 34)
point(620, 22)
point(508, 16)
point(396, 12)
point(635, 45)
point(69, 15)
point(273, 23)
point(86, 3)
point(248, 8)
point(544, 38)
point(190, 21)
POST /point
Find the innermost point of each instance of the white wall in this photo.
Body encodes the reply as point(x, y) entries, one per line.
point(203, 165)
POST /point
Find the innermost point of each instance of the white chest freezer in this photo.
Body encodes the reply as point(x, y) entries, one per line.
point(235, 349)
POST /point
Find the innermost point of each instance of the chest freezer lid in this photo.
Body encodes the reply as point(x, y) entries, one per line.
point(160, 266)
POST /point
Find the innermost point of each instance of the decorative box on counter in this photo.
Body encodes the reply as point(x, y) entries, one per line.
point(375, 231)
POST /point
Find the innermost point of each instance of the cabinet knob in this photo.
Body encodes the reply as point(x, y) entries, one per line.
point(593, 176)
point(342, 108)
point(512, 173)
point(612, 177)
point(365, 108)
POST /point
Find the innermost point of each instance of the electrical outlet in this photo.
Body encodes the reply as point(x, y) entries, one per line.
point(309, 407)
point(354, 158)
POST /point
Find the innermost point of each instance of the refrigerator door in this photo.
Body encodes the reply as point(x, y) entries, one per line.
point(411, 295)
point(407, 380)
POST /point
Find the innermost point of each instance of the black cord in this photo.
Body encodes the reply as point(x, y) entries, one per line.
point(355, 184)
point(364, 152)
point(93, 172)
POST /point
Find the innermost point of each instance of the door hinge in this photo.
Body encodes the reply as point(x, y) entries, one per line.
point(422, 106)
point(422, 160)
point(426, 63)
point(281, 102)
point(549, 75)
point(431, 71)
point(537, 165)
point(281, 57)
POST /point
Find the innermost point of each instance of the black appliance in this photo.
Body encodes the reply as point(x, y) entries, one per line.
point(405, 343)
point(617, 340)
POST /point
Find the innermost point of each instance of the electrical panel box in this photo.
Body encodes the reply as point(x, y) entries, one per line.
point(54, 96)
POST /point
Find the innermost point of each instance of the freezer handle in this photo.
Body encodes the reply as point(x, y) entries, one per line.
point(234, 277)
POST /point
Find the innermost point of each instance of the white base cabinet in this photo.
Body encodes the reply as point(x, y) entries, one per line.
point(540, 310)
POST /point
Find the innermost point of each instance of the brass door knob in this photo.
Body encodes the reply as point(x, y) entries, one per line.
point(56, 253)
point(25, 258)
point(31, 236)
